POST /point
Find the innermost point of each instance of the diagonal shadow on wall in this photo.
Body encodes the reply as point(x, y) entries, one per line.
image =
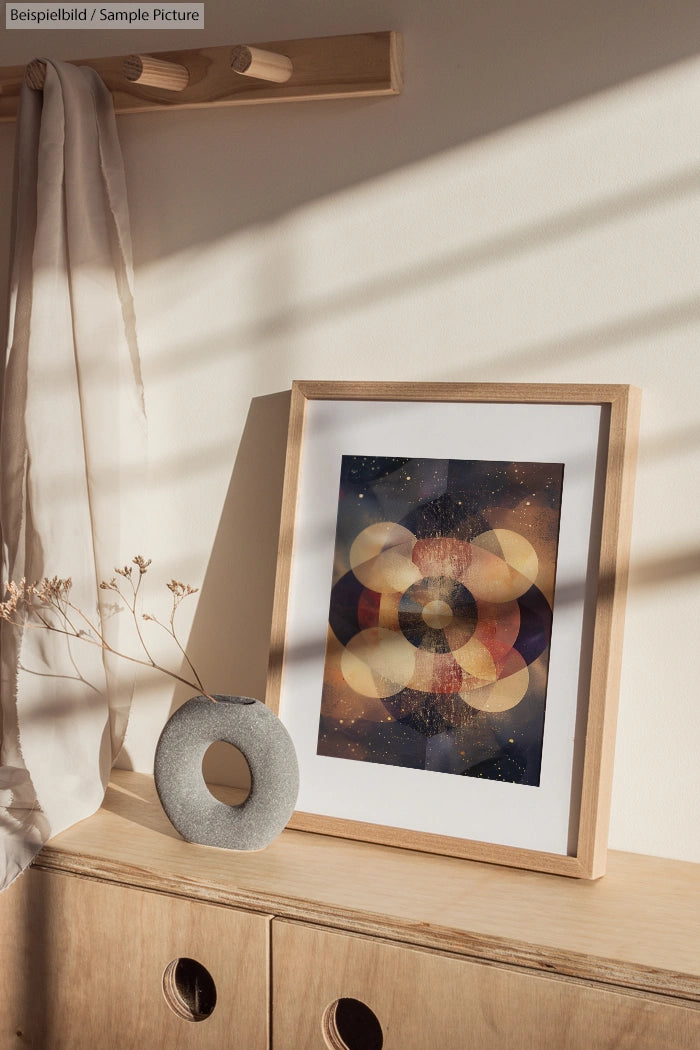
point(231, 629)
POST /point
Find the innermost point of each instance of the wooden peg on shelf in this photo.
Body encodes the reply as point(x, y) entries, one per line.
point(35, 74)
point(264, 65)
point(138, 69)
point(155, 72)
point(359, 65)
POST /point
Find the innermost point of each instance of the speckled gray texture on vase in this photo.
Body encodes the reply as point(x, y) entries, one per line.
point(274, 772)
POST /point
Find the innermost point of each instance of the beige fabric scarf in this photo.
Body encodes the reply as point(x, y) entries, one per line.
point(72, 455)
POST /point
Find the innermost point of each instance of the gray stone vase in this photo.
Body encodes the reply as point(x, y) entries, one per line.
point(274, 773)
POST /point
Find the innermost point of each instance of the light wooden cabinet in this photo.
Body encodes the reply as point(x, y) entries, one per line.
point(427, 999)
point(84, 963)
point(123, 936)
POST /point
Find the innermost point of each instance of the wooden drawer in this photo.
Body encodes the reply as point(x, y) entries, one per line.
point(83, 963)
point(424, 1000)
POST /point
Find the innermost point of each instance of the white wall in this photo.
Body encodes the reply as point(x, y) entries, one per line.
point(527, 210)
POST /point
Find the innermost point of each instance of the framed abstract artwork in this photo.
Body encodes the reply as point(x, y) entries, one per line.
point(447, 628)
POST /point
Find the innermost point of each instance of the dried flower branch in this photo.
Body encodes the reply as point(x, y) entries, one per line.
point(47, 606)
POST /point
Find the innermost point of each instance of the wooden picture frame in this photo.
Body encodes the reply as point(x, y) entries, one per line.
point(447, 663)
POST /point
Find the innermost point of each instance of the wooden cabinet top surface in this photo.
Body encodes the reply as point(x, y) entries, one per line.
point(638, 926)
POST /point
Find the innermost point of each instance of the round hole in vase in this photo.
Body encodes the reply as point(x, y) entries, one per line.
point(226, 773)
point(259, 735)
point(189, 989)
point(349, 1024)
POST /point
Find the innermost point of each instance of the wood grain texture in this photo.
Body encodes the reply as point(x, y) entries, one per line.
point(423, 1000)
point(285, 548)
point(536, 393)
point(154, 72)
point(601, 663)
point(264, 65)
point(606, 659)
point(353, 66)
point(638, 927)
point(83, 963)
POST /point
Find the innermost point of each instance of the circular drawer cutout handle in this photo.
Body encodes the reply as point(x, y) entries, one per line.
point(349, 1024)
point(189, 989)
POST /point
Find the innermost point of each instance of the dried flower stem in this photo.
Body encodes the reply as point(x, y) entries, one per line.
point(27, 606)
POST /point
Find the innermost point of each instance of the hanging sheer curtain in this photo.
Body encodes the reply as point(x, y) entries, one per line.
point(72, 455)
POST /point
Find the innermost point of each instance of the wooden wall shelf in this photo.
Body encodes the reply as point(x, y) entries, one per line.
point(355, 66)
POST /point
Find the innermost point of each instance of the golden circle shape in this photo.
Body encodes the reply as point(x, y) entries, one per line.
point(476, 660)
point(437, 614)
point(515, 550)
point(502, 695)
point(380, 557)
point(518, 552)
point(491, 579)
point(377, 662)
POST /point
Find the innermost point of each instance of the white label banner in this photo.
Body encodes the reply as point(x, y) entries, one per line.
point(104, 16)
